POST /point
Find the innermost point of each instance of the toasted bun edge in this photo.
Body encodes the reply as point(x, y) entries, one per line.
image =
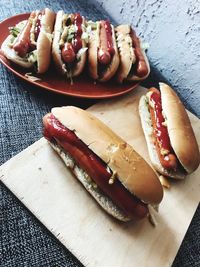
point(93, 45)
point(125, 54)
point(44, 41)
point(181, 134)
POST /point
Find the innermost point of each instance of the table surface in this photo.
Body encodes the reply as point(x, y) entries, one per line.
point(24, 240)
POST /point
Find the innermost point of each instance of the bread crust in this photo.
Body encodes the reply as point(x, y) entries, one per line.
point(105, 202)
point(127, 57)
point(56, 52)
point(93, 46)
point(132, 170)
point(126, 54)
point(48, 20)
point(44, 41)
point(43, 52)
point(180, 131)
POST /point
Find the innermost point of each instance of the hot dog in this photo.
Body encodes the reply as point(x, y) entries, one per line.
point(170, 138)
point(69, 47)
point(106, 50)
point(23, 43)
point(162, 142)
point(103, 58)
point(114, 174)
point(134, 64)
point(67, 53)
point(29, 42)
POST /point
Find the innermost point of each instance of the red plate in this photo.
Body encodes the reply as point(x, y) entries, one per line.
point(83, 86)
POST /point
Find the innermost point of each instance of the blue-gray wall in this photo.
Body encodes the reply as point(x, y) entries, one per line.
point(172, 29)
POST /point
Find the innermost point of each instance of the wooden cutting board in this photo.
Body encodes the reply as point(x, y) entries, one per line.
point(40, 180)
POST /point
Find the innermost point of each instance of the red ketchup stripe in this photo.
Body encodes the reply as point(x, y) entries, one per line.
point(77, 43)
point(94, 167)
point(38, 26)
point(70, 50)
point(108, 29)
point(161, 130)
point(23, 43)
point(168, 160)
point(106, 50)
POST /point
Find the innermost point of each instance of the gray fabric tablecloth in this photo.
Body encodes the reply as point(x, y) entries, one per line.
point(24, 241)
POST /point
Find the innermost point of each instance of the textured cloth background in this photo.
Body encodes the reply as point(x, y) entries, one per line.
point(24, 241)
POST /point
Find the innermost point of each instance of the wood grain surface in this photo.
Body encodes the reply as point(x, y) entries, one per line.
point(40, 180)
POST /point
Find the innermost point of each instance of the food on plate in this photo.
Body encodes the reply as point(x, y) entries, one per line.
point(29, 42)
point(103, 58)
point(109, 52)
point(112, 172)
point(171, 142)
point(134, 65)
point(69, 46)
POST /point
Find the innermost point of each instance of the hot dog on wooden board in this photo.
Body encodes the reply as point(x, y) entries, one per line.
point(134, 65)
point(103, 58)
point(171, 142)
point(69, 47)
point(112, 172)
point(29, 42)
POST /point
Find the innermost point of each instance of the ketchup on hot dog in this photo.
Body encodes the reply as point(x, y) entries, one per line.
point(94, 167)
point(38, 25)
point(67, 53)
point(106, 49)
point(77, 43)
point(163, 146)
point(70, 50)
point(23, 43)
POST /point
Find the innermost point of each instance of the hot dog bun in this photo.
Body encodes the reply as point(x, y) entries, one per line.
point(132, 171)
point(93, 46)
point(10, 54)
point(55, 45)
point(43, 45)
point(45, 40)
point(78, 66)
point(128, 58)
point(180, 132)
